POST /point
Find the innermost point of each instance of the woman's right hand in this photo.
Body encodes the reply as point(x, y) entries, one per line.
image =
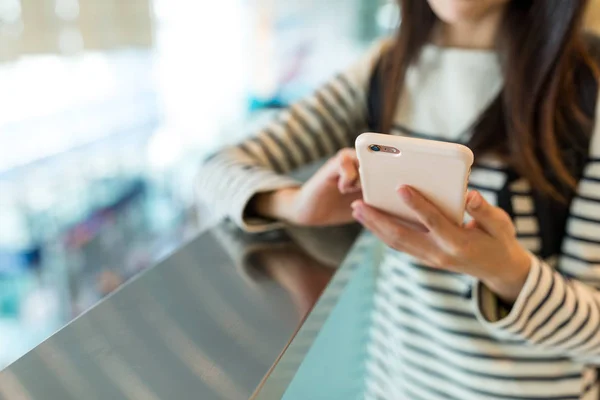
point(324, 200)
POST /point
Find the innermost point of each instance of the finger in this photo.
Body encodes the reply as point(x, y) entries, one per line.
point(348, 170)
point(393, 233)
point(492, 220)
point(332, 166)
point(429, 215)
point(472, 224)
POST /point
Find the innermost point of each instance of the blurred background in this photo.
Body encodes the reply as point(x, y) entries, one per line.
point(107, 108)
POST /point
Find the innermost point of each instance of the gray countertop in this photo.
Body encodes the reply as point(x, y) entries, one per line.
point(206, 323)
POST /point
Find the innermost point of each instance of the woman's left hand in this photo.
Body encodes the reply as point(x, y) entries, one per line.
point(485, 248)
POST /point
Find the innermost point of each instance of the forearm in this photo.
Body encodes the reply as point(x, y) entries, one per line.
point(228, 182)
point(551, 312)
point(277, 204)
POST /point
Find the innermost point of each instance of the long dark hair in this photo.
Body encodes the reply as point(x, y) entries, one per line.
point(541, 45)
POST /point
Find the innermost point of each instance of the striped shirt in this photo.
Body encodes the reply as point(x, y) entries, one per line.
point(436, 334)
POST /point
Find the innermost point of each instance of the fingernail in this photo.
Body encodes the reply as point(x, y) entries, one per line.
point(357, 215)
point(475, 201)
point(355, 205)
point(406, 193)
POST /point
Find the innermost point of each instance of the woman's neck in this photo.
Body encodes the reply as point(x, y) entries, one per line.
point(479, 34)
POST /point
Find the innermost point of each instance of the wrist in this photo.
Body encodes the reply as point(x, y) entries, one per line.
point(509, 284)
point(277, 204)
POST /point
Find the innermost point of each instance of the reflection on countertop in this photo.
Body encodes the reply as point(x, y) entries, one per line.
point(207, 322)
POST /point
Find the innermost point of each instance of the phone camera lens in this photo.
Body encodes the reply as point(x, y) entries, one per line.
point(375, 148)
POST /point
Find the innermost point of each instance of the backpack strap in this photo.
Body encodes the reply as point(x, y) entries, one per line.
point(375, 98)
point(575, 155)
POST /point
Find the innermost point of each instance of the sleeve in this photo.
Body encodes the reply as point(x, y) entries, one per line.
point(559, 309)
point(312, 129)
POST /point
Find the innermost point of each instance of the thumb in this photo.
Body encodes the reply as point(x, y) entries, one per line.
point(493, 220)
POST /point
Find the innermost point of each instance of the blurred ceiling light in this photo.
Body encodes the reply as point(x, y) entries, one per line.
point(70, 41)
point(10, 11)
point(388, 16)
point(67, 10)
point(164, 149)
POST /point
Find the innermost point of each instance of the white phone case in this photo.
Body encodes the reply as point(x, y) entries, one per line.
point(439, 170)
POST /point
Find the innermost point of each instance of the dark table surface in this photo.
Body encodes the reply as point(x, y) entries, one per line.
point(208, 322)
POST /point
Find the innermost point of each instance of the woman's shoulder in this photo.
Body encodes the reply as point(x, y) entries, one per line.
point(363, 69)
point(381, 47)
point(375, 51)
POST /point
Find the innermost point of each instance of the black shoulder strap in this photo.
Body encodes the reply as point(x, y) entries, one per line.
point(375, 98)
point(575, 155)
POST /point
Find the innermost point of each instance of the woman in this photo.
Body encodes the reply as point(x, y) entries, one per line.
point(461, 312)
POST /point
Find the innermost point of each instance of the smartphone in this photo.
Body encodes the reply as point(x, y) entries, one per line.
point(439, 170)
